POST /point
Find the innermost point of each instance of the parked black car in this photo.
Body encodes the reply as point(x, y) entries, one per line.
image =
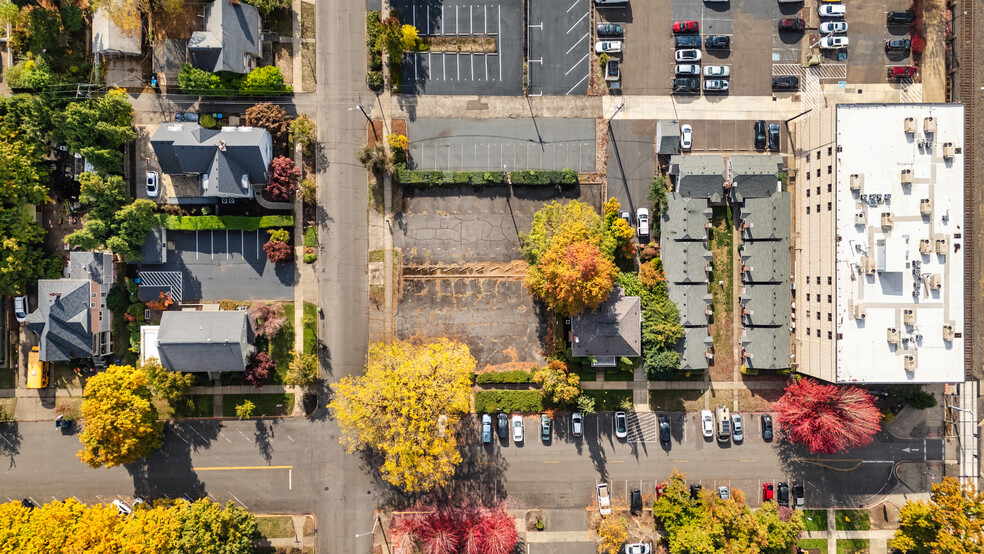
point(635, 502)
point(664, 428)
point(774, 136)
point(766, 427)
point(759, 129)
point(502, 426)
point(717, 41)
point(901, 18)
point(695, 491)
point(898, 44)
point(784, 82)
point(783, 494)
point(686, 41)
point(686, 85)
point(609, 30)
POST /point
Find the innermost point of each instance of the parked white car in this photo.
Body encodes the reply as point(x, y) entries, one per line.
point(608, 46)
point(707, 423)
point(720, 71)
point(831, 10)
point(829, 27)
point(830, 43)
point(153, 184)
point(737, 430)
point(517, 423)
point(642, 218)
point(686, 136)
point(20, 308)
point(688, 55)
point(687, 69)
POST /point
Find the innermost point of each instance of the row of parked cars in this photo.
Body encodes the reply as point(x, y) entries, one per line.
point(504, 424)
point(900, 45)
point(687, 72)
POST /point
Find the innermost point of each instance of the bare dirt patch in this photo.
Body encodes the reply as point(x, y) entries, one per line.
point(676, 400)
point(884, 516)
point(308, 71)
point(284, 61)
point(757, 400)
point(722, 328)
point(601, 150)
point(932, 61)
point(461, 44)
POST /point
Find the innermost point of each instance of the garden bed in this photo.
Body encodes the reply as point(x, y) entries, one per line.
point(460, 44)
point(676, 400)
point(608, 400)
point(266, 404)
point(490, 401)
point(310, 322)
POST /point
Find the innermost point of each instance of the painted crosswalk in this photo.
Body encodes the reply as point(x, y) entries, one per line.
point(164, 279)
point(641, 427)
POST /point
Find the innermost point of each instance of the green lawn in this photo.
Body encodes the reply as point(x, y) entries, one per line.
point(275, 527)
point(587, 375)
point(722, 241)
point(310, 328)
point(852, 546)
point(195, 405)
point(266, 404)
point(8, 378)
point(819, 520)
point(608, 400)
point(852, 520)
point(618, 375)
point(813, 544)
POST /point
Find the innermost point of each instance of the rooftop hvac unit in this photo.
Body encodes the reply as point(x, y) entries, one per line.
point(929, 125)
point(935, 281)
point(910, 125)
point(910, 361)
point(893, 336)
point(926, 206)
point(925, 247)
point(948, 331)
point(941, 246)
point(858, 311)
point(868, 265)
point(906, 177)
point(857, 181)
point(948, 150)
point(887, 220)
point(909, 316)
point(860, 218)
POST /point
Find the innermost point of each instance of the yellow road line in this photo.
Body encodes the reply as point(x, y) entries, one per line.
point(617, 462)
point(747, 461)
point(681, 461)
point(551, 462)
point(237, 468)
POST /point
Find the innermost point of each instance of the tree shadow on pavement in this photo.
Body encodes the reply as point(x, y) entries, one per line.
point(265, 432)
point(10, 441)
point(169, 471)
point(598, 456)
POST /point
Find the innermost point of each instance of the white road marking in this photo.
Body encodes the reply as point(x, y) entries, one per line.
point(576, 23)
point(245, 437)
point(578, 84)
point(573, 46)
point(228, 248)
point(211, 242)
point(237, 500)
point(196, 245)
point(290, 479)
point(499, 26)
point(572, 6)
point(291, 440)
point(225, 437)
point(575, 65)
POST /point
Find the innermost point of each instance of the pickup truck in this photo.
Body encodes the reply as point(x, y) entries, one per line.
point(604, 500)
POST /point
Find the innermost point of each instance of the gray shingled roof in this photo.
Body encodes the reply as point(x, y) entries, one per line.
point(685, 218)
point(692, 301)
point(699, 176)
point(154, 250)
point(107, 38)
point(769, 304)
point(693, 349)
point(205, 341)
point(766, 218)
point(669, 137)
point(94, 266)
point(765, 261)
point(754, 176)
point(232, 30)
point(229, 161)
point(768, 346)
point(613, 329)
point(62, 321)
point(685, 262)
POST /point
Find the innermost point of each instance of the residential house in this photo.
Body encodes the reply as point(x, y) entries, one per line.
point(231, 39)
point(193, 341)
point(612, 330)
point(108, 39)
point(72, 320)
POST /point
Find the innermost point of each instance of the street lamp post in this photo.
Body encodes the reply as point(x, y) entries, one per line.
point(369, 119)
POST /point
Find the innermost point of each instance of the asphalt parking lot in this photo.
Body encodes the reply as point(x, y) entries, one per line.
point(867, 31)
point(218, 265)
point(496, 318)
point(561, 49)
point(499, 73)
point(731, 135)
point(631, 161)
point(503, 144)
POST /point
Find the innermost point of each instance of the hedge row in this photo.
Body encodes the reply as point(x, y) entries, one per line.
point(479, 178)
point(229, 222)
point(489, 401)
point(513, 376)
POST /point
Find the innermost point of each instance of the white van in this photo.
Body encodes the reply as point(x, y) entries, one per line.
point(723, 419)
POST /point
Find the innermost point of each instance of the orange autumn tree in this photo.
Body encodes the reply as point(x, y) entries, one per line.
point(572, 276)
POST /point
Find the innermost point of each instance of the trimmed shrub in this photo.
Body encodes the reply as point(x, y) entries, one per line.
point(489, 401)
point(310, 258)
point(514, 376)
point(565, 177)
point(311, 237)
point(374, 79)
point(479, 178)
point(230, 222)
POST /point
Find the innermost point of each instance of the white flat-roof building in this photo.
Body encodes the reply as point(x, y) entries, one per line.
point(879, 255)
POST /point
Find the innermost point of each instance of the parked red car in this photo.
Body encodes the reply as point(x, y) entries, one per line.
point(660, 489)
point(897, 71)
point(767, 492)
point(686, 27)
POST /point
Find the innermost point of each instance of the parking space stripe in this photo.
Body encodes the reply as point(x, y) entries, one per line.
point(196, 245)
point(575, 65)
point(572, 6)
point(573, 46)
point(578, 22)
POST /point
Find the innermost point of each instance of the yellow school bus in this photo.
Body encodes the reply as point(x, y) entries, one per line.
point(37, 372)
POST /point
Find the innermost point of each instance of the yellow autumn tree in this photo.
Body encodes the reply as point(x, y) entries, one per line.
point(395, 406)
point(573, 275)
point(952, 522)
point(612, 532)
point(120, 421)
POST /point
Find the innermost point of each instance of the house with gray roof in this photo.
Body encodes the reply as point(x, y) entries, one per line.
point(765, 262)
point(231, 39)
point(685, 218)
point(193, 341)
point(108, 39)
point(693, 302)
point(612, 330)
point(766, 218)
point(685, 262)
point(699, 176)
point(72, 320)
point(695, 349)
point(753, 175)
point(228, 162)
point(765, 304)
point(765, 347)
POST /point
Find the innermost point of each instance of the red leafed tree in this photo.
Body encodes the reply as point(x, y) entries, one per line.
point(827, 418)
point(471, 536)
point(283, 179)
point(278, 252)
point(268, 318)
point(440, 533)
point(259, 368)
point(405, 533)
point(497, 533)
